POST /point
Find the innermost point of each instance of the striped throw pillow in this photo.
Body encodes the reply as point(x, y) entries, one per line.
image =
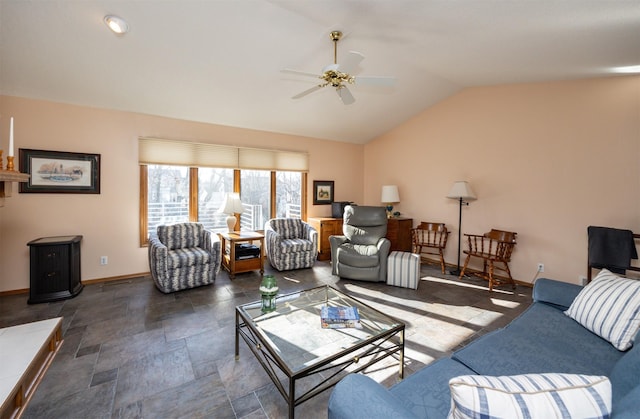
point(609, 306)
point(530, 396)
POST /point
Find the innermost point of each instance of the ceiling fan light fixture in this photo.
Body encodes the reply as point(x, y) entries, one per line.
point(339, 75)
point(117, 24)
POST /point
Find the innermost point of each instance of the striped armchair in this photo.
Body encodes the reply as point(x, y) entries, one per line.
point(183, 256)
point(290, 243)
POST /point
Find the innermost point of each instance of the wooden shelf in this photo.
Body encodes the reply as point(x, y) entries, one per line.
point(6, 179)
point(13, 176)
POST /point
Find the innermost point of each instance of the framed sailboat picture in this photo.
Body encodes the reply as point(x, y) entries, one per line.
point(60, 172)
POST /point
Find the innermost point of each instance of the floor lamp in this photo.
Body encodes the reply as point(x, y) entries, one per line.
point(463, 193)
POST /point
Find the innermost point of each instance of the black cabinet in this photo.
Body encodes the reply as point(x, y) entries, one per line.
point(55, 268)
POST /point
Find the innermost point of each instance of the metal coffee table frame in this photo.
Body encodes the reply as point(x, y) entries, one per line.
point(382, 343)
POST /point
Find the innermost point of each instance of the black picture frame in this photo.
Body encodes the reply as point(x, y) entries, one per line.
point(59, 172)
point(322, 192)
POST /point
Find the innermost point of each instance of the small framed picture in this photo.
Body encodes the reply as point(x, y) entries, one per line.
point(322, 192)
point(60, 172)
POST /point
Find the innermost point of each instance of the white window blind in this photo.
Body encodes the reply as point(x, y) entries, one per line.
point(186, 153)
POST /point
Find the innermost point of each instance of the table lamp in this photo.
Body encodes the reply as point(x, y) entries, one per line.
point(389, 197)
point(231, 206)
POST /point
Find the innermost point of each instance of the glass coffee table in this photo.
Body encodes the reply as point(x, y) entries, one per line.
point(291, 345)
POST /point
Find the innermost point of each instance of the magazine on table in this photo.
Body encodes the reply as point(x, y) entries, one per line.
point(340, 317)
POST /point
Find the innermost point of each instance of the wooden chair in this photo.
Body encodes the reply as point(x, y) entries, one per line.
point(493, 247)
point(430, 239)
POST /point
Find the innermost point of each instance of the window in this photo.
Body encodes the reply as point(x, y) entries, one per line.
point(166, 197)
point(255, 194)
point(213, 185)
point(289, 194)
point(186, 181)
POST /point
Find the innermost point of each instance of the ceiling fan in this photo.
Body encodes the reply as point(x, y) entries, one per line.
point(339, 75)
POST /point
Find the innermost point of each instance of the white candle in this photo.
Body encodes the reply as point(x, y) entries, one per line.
point(11, 138)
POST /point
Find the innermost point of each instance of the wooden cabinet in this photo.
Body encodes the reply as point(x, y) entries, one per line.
point(55, 268)
point(326, 227)
point(399, 233)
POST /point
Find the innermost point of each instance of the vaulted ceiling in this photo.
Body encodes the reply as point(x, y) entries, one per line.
point(220, 61)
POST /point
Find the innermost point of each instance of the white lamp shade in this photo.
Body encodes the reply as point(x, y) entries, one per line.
point(461, 189)
point(390, 194)
point(232, 204)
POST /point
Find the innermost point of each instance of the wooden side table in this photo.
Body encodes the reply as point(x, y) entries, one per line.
point(399, 233)
point(229, 261)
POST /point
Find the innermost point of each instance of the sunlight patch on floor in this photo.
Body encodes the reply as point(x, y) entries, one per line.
point(505, 303)
point(365, 291)
point(462, 284)
point(401, 308)
point(463, 313)
point(486, 318)
point(447, 334)
point(409, 310)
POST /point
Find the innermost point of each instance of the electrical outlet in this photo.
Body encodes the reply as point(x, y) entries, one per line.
point(104, 260)
point(540, 267)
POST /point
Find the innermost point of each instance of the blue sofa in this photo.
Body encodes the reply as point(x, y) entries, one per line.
point(541, 340)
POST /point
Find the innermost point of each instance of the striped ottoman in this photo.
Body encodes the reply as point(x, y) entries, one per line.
point(403, 269)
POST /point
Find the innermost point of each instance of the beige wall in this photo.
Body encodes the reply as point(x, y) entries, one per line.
point(545, 160)
point(109, 221)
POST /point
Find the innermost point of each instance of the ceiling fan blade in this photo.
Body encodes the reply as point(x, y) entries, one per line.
point(350, 63)
point(345, 95)
point(306, 92)
point(375, 81)
point(300, 73)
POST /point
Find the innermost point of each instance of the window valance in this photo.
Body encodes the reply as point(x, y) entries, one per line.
point(187, 153)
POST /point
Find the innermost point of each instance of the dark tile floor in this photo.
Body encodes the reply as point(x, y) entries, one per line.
point(132, 352)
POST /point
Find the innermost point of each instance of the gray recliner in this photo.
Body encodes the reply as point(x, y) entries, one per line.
point(361, 253)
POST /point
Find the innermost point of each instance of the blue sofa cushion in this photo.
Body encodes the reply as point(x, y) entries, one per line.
point(360, 397)
point(431, 398)
point(555, 293)
point(626, 373)
point(629, 406)
point(542, 339)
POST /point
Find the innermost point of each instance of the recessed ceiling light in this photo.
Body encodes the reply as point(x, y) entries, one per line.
point(630, 69)
point(116, 24)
